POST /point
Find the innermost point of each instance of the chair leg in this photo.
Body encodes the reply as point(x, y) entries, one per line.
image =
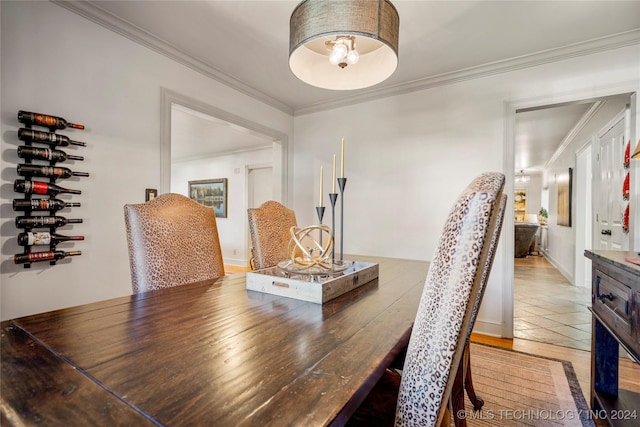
point(468, 382)
point(456, 400)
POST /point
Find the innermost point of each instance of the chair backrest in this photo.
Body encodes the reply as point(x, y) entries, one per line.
point(172, 241)
point(269, 227)
point(439, 332)
point(493, 244)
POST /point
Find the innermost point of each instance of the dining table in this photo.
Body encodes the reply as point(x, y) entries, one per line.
point(210, 353)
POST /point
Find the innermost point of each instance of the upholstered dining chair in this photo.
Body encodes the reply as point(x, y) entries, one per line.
point(269, 227)
point(172, 241)
point(464, 380)
point(421, 396)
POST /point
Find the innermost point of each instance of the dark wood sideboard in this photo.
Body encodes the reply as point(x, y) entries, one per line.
point(615, 300)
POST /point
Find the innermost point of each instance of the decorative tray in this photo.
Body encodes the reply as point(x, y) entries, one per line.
point(314, 286)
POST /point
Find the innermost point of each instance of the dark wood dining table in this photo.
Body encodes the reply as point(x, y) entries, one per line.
point(208, 353)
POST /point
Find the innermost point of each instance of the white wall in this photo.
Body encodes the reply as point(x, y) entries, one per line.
point(54, 61)
point(409, 156)
point(233, 229)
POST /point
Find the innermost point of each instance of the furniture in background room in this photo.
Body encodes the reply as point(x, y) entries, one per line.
point(269, 227)
point(544, 239)
point(444, 317)
point(615, 296)
point(524, 236)
point(519, 205)
point(172, 241)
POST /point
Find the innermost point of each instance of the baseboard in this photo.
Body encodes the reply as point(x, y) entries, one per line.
point(565, 273)
point(492, 329)
point(239, 262)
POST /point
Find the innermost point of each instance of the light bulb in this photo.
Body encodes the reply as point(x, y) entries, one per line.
point(334, 58)
point(340, 49)
point(353, 56)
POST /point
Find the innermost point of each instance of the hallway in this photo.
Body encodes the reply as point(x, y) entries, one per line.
point(547, 308)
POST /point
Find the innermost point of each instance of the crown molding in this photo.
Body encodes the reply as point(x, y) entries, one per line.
point(589, 47)
point(106, 19)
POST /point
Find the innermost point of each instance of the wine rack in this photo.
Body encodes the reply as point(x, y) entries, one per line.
point(38, 172)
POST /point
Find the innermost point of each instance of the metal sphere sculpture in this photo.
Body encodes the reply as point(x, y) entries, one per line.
point(306, 249)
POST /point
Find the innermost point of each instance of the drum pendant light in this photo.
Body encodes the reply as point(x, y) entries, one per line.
point(343, 44)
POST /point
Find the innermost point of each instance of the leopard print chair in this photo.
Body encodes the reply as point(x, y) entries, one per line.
point(422, 394)
point(172, 241)
point(269, 227)
point(464, 379)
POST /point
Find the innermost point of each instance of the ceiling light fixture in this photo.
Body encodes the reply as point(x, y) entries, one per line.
point(343, 44)
point(521, 177)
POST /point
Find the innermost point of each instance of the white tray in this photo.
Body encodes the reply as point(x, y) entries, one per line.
point(314, 288)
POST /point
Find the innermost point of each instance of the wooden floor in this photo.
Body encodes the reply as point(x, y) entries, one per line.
point(230, 269)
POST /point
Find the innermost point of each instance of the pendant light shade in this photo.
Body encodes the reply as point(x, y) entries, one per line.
point(343, 44)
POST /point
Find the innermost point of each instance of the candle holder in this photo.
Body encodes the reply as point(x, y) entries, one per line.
point(342, 182)
point(333, 197)
point(320, 212)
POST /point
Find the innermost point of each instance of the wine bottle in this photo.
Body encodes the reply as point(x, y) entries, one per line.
point(52, 122)
point(44, 221)
point(45, 154)
point(53, 139)
point(39, 187)
point(47, 171)
point(42, 205)
point(43, 256)
point(44, 238)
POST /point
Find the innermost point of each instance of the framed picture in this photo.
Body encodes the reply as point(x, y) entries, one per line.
point(565, 182)
point(211, 192)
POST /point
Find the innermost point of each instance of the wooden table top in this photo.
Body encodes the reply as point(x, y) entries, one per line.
point(209, 353)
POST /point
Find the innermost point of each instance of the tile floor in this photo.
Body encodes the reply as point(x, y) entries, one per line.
point(547, 308)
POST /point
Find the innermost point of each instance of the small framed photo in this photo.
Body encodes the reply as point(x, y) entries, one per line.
point(150, 194)
point(211, 192)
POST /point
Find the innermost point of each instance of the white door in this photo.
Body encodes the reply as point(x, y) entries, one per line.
point(609, 206)
point(260, 185)
point(260, 189)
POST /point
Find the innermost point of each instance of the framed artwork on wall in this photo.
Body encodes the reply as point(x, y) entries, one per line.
point(565, 186)
point(212, 193)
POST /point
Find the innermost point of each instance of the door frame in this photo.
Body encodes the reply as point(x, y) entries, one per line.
point(280, 142)
point(584, 213)
point(510, 108)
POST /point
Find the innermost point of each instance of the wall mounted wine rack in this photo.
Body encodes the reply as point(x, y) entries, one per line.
point(38, 173)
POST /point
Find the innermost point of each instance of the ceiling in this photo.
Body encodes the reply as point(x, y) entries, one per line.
point(245, 44)
point(539, 132)
point(201, 135)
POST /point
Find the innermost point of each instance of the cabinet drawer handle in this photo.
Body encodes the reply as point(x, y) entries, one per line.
point(603, 297)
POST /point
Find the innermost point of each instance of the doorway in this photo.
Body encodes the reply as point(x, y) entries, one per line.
point(259, 190)
point(202, 142)
point(579, 236)
point(609, 203)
